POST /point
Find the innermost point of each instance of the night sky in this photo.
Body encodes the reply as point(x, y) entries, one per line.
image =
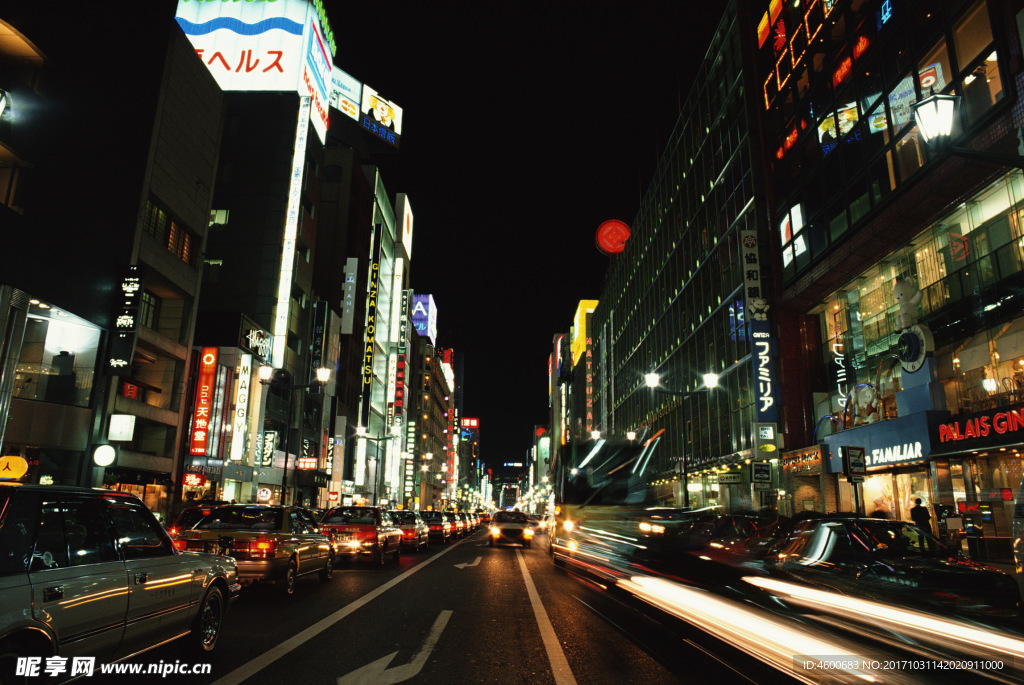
point(526, 125)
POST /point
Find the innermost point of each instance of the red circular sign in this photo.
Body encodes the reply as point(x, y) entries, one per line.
point(612, 236)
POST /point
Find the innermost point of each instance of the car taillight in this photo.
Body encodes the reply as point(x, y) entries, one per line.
point(173, 531)
point(180, 544)
point(261, 548)
point(435, 526)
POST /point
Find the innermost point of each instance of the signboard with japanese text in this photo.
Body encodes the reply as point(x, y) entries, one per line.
point(348, 293)
point(730, 478)
point(126, 325)
point(424, 316)
point(762, 344)
point(204, 401)
point(316, 77)
point(381, 117)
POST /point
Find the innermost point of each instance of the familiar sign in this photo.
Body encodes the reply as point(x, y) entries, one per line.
point(730, 479)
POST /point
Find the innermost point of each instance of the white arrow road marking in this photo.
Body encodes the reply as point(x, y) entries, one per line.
point(254, 666)
point(378, 673)
point(468, 564)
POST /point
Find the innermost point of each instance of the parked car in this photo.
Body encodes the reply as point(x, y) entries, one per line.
point(511, 527)
point(91, 572)
point(191, 514)
point(458, 524)
point(269, 543)
point(891, 561)
point(440, 525)
point(415, 531)
point(366, 532)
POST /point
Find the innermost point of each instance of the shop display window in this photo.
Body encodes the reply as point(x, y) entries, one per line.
point(57, 361)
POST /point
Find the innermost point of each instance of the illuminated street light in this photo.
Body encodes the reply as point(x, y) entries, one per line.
point(935, 116)
point(653, 381)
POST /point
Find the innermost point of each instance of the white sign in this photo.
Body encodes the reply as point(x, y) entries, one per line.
point(895, 454)
point(249, 46)
point(240, 422)
point(346, 93)
point(762, 472)
point(122, 427)
point(263, 494)
point(729, 479)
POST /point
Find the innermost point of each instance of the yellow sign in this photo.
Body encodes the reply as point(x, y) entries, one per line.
point(767, 447)
point(13, 466)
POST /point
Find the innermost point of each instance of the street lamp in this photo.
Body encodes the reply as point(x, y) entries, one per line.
point(653, 381)
point(934, 117)
point(281, 379)
point(361, 433)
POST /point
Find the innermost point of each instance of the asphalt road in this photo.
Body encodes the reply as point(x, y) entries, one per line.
point(461, 613)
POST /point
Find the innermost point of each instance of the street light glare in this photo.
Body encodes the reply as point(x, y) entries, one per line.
point(711, 380)
point(652, 379)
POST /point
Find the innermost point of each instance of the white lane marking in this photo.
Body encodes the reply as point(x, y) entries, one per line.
point(559, 664)
point(469, 564)
point(270, 656)
point(378, 673)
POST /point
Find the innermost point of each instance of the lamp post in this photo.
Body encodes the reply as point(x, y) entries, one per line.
point(653, 380)
point(361, 433)
point(281, 379)
point(934, 117)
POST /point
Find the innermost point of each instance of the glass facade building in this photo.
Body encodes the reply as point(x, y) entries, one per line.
point(673, 301)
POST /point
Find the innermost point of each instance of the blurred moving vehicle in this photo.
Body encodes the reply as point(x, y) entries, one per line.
point(484, 516)
point(893, 561)
point(191, 514)
point(269, 543)
point(366, 532)
point(538, 523)
point(87, 572)
point(440, 525)
point(510, 527)
point(415, 531)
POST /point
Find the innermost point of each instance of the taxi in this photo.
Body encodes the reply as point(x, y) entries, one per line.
point(269, 543)
point(362, 532)
point(92, 573)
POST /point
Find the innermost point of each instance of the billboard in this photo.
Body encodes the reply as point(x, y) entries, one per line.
point(287, 45)
point(200, 437)
point(346, 93)
point(404, 210)
point(424, 316)
point(381, 117)
point(580, 334)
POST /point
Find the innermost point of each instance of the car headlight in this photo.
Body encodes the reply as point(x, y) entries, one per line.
point(651, 527)
point(528, 532)
point(568, 526)
point(495, 532)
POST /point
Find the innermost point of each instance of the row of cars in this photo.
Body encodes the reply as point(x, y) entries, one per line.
point(92, 573)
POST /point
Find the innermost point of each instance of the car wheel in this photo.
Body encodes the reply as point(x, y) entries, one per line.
point(210, 620)
point(426, 544)
point(290, 577)
point(328, 570)
point(398, 552)
point(10, 651)
point(491, 542)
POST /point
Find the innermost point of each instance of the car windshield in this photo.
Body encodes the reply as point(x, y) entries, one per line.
point(896, 539)
point(351, 515)
point(242, 518)
point(510, 517)
point(403, 517)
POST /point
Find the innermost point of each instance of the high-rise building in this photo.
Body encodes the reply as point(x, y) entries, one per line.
point(689, 292)
point(105, 195)
point(900, 262)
